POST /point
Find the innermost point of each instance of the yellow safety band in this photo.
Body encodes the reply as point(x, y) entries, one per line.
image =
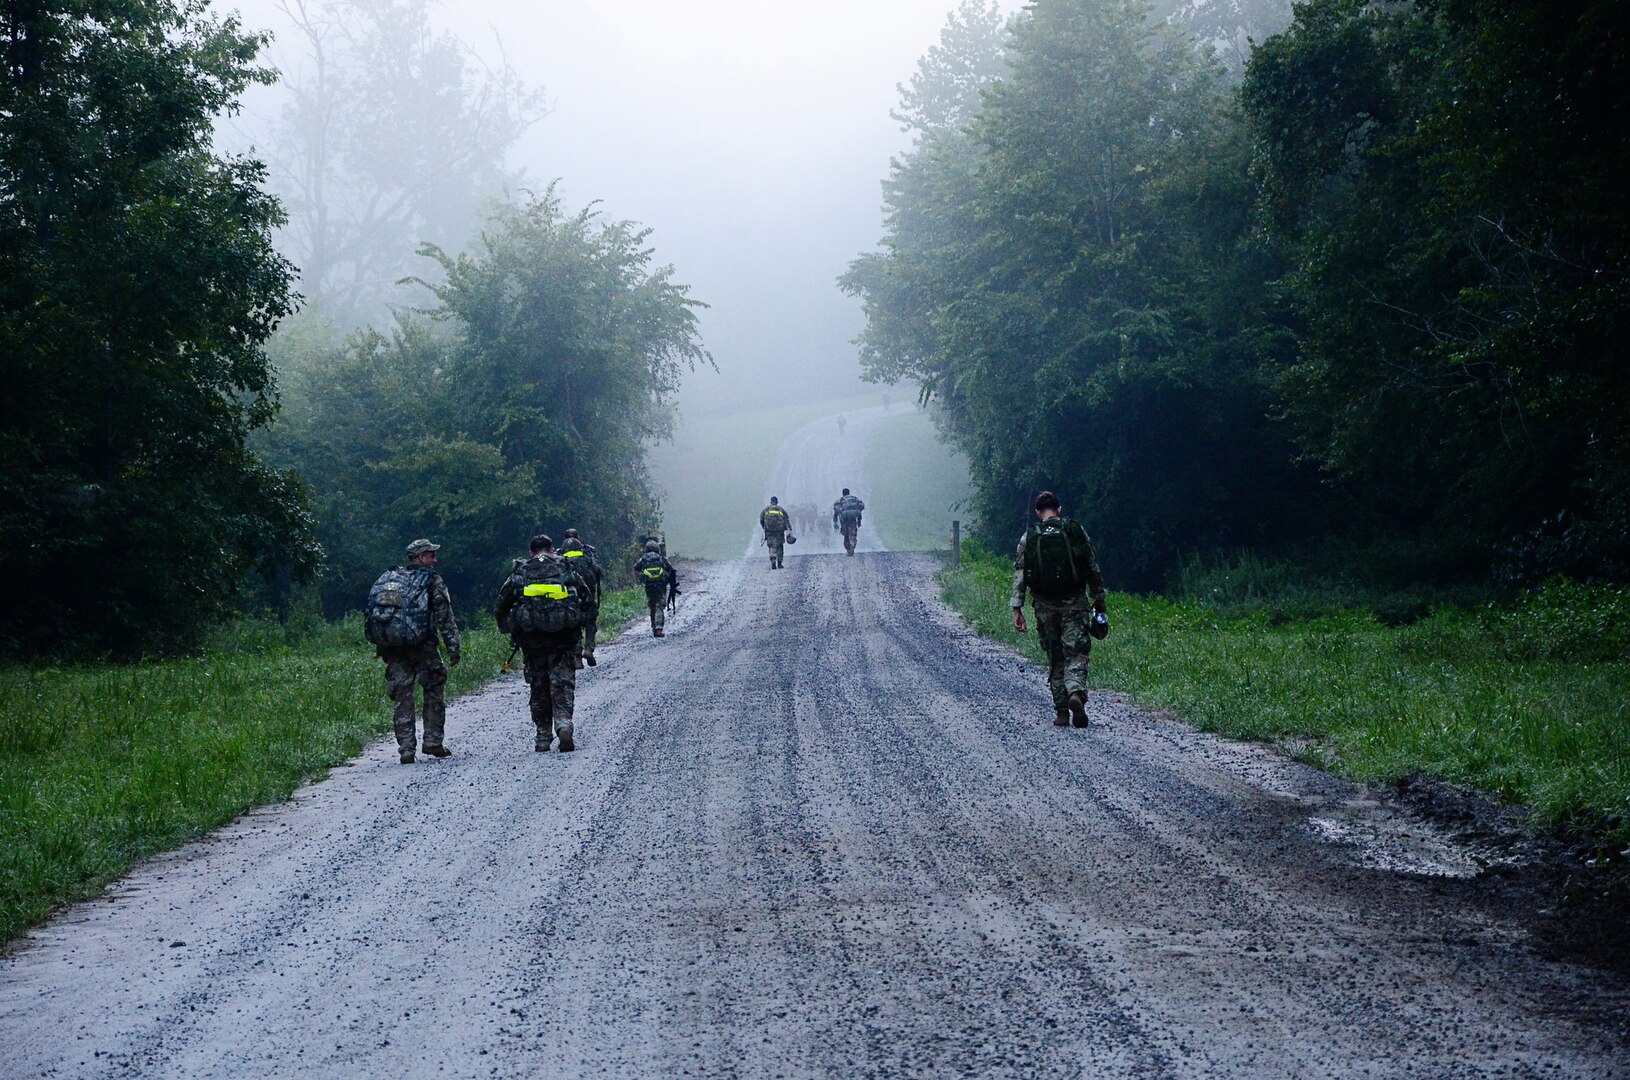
point(653, 572)
point(575, 554)
point(553, 592)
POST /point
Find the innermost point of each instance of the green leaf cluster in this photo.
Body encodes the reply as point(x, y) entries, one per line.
point(521, 401)
point(137, 286)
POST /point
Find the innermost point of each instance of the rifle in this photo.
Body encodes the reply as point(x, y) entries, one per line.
point(512, 653)
point(673, 599)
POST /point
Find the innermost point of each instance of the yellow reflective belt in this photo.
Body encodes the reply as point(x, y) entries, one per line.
point(553, 592)
point(575, 554)
point(653, 572)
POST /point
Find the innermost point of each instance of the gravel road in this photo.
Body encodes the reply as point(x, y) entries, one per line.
point(820, 829)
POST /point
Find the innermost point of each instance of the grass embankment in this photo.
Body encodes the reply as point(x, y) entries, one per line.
point(1529, 702)
point(714, 474)
point(915, 483)
point(105, 765)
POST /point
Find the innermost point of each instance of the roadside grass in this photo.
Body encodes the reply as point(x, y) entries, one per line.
point(109, 764)
point(1457, 696)
point(915, 481)
point(713, 474)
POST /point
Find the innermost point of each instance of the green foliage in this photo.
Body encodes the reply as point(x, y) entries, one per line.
point(137, 286)
point(1444, 178)
point(523, 403)
point(1073, 277)
point(109, 764)
point(1447, 697)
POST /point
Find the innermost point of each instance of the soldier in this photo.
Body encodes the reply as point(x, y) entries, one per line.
point(588, 567)
point(775, 523)
point(846, 516)
point(406, 608)
point(1056, 562)
point(656, 573)
point(540, 606)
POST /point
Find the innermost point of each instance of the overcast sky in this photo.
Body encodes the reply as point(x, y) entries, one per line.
point(751, 135)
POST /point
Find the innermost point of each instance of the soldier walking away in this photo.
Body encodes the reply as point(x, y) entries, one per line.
point(407, 607)
point(1056, 562)
point(846, 517)
point(656, 573)
point(540, 606)
point(777, 528)
point(587, 564)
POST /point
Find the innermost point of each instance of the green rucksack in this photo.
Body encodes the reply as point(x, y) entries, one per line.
point(1057, 553)
point(548, 602)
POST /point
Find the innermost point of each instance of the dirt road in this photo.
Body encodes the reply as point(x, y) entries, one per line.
point(820, 829)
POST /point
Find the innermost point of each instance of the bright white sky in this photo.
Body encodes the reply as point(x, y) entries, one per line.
point(751, 135)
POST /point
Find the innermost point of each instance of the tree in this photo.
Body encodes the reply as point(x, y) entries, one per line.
point(1445, 178)
point(393, 134)
point(522, 400)
point(137, 286)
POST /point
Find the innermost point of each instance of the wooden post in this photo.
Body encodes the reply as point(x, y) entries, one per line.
point(956, 545)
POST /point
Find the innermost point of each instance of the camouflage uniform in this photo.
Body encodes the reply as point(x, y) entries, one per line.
point(774, 521)
point(846, 516)
point(656, 595)
point(550, 664)
point(589, 569)
point(422, 664)
point(1062, 625)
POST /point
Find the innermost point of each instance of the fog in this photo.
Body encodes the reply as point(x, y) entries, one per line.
point(750, 137)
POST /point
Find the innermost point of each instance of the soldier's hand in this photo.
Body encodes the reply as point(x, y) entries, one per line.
point(452, 661)
point(1098, 605)
point(1018, 620)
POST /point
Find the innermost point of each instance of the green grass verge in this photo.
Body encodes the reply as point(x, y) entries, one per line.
point(915, 483)
point(1455, 696)
point(713, 474)
point(107, 765)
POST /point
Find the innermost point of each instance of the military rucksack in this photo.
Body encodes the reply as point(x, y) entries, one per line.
point(850, 506)
point(587, 567)
point(775, 519)
point(1057, 553)
point(652, 569)
point(547, 603)
point(398, 611)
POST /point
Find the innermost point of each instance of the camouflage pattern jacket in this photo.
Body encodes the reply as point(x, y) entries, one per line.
point(774, 519)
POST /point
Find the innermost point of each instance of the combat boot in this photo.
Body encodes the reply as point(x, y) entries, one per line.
point(565, 732)
point(657, 632)
point(407, 757)
point(588, 658)
point(1062, 719)
point(438, 751)
point(542, 741)
point(1078, 709)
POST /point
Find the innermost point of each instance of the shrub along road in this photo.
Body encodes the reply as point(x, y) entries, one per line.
point(821, 828)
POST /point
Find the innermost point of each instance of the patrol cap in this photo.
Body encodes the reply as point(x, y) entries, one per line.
point(419, 547)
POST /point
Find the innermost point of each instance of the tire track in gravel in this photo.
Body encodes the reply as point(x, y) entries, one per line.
point(821, 828)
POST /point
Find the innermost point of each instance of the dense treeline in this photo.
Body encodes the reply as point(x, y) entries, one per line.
point(523, 398)
point(138, 283)
point(148, 484)
point(1357, 304)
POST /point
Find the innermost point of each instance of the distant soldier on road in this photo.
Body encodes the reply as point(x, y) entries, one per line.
point(1056, 562)
point(407, 607)
point(587, 564)
point(540, 605)
point(656, 573)
point(776, 525)
point(846, 517)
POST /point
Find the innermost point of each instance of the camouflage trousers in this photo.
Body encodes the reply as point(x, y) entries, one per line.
point(1064, 637)
point(591, 627)
point(419, 664)
point(851, 532)
point(658, 603)
point(551, 673)
point(777, 543)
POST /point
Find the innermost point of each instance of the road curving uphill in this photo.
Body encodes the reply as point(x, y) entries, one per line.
point(820, 829)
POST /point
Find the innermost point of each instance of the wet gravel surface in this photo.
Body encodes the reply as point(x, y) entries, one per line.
point(819, 829)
